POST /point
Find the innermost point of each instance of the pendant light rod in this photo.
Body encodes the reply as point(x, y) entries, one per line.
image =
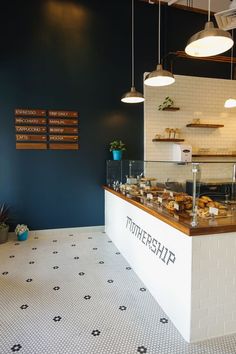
point(132, 54)
point(232, 55)
point(159, 34)
point(209, 10)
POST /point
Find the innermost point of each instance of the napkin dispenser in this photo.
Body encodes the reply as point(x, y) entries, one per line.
point(182, 153)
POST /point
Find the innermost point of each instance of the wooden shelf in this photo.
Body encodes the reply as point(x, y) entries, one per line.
point(211, 155)
point(201, 125)
point(171, 109)
point(168, 140)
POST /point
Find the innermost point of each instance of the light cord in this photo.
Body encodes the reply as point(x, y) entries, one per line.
point(132, 64)
point(232, 54)
point(209, 10)
point(159, 34)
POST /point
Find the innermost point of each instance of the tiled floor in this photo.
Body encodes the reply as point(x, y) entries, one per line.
point(69, 293)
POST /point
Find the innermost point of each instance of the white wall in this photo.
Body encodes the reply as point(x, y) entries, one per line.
point(216, 5)
point(197, 97)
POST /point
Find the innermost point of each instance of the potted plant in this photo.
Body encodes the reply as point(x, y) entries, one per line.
point(22, 232)
point(117, 147)
point(4, 228)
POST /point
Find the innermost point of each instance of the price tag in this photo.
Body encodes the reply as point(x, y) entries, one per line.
point(171, 194)
point(142, 185)
point(165, 190)
point(149, 196)
point(159, 199)
point(213, 211)
point(176, 206)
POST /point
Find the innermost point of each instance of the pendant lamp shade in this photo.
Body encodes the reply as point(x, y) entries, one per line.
point(230, 103)
point(209, 42)
point(159, 77)
point(133, 96)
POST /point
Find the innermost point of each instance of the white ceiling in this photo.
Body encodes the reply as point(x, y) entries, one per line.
point(216, 5)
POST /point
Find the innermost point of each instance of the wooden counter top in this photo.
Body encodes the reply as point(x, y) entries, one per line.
point(183, 224)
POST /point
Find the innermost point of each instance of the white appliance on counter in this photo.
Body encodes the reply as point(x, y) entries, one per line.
point(182, 153)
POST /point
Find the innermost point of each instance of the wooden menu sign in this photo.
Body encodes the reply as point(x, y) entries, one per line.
point(63, 114)
point(31, 146)
point(30, 112)
point(27, 137)
point(69, 138)
point(43, 130)
point(57, 130)
point(63, 121)
point(63, 146)
point(27, 129)
point(31, 121)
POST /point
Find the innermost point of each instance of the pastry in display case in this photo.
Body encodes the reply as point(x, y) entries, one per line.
point(182, 196)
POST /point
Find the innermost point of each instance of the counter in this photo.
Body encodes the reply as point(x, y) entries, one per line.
point(192, 278)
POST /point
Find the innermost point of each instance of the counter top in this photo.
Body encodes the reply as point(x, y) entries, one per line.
point(182, 223)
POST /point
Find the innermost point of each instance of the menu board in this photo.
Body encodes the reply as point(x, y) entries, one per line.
point(38, 129)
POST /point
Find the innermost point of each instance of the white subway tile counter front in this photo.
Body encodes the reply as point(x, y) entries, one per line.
point(192, 278)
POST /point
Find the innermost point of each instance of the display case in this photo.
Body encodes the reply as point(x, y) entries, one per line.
point(199, 194)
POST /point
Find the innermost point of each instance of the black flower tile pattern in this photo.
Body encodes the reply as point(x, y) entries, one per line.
point(87, 297)
point(96, 332)
point(122, 308)
point(16, 244)
point(12, 256)
point(94, 305)
point(56, 288)
point(57, 319)
point(142, 349)
point(24, 307)
point(16, 348)
point(164, 320)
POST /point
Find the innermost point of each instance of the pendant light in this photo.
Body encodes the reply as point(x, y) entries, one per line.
point(210, 41)
point(133, 96)
point(231, 102)
point(159, 77)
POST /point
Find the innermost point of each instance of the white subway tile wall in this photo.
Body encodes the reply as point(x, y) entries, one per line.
point(197, 98)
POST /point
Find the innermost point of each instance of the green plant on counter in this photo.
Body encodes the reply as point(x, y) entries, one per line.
point(4, 216)
point(117, 145)
point(168, 102)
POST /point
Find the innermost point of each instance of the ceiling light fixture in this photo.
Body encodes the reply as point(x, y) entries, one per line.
point(231, 102)
point(133, 96)
point(159, 77)
point(210, 41)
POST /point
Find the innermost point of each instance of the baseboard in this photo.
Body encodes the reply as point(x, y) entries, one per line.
point(99, 228)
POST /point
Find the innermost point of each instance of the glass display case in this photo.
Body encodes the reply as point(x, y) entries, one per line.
point(194, 193)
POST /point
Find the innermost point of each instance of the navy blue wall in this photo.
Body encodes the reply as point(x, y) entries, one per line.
point(74, 55)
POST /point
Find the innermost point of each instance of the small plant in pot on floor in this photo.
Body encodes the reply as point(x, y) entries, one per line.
point(22, 232)
point(117, 147)
point(4, 228)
